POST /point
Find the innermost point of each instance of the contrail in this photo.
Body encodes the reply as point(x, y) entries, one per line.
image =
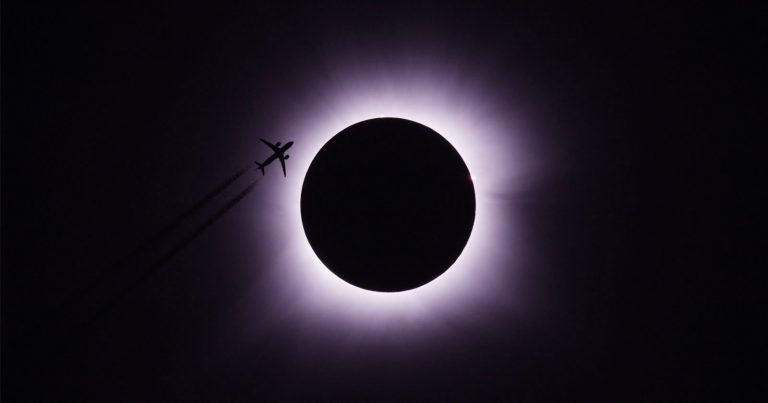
point(197, 206)
point(139, 250)
point(75, 328)
point(168, 256)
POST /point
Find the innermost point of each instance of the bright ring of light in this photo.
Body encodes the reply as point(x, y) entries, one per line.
point(477, 123)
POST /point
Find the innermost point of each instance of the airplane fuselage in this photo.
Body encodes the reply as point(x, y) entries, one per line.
point(275, 156)
point(278, 154)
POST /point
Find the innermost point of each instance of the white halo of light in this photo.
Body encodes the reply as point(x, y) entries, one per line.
point(484, 131)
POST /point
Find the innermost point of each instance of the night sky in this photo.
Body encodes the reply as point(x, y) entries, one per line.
point(145, 259)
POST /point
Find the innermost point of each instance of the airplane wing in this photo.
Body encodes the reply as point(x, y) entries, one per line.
point(282, 163)
point(272, 146)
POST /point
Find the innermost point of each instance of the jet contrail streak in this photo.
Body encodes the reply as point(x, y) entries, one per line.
point(163, 232)
point(197, 206)
point(176, 249)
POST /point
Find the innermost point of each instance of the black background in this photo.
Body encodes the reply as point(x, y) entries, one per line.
point(115, 117)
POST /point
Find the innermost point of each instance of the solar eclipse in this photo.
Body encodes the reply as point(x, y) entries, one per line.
point(485, 130)
point(388, 204)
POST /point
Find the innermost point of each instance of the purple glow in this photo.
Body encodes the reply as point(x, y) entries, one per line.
point(456, 102)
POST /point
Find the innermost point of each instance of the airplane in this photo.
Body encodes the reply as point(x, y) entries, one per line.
point(278, 154)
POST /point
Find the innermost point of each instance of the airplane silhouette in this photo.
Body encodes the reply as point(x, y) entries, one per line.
point(278, 153)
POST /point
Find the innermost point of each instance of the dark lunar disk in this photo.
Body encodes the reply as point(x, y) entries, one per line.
point(388, 204)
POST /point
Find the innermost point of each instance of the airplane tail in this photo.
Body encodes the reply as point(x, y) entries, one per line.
point(261, 167)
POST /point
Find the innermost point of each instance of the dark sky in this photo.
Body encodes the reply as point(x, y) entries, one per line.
point(117, 118)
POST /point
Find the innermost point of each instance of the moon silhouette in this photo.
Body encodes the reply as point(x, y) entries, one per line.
point(388, 204)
